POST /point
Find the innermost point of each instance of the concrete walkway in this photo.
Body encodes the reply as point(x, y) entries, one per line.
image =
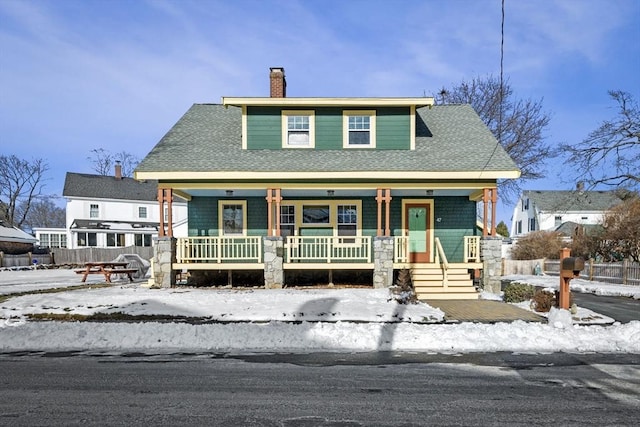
point(483, 311)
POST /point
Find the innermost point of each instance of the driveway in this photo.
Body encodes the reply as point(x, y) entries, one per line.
point(622, 309)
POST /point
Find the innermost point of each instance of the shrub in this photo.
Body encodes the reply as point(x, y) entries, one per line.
point(403, 291)
point(538, 244)
point(518, 292)
point(543, 300)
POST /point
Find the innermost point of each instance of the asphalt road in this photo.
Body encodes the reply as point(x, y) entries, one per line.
point(622, 309)
point(373, 389)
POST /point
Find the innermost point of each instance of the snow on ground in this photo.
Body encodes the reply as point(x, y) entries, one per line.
point(262, 320)
point(579, 285)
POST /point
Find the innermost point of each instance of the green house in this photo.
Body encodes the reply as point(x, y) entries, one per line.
point(281, 185)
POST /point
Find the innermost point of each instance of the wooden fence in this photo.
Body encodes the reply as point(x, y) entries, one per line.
point(624, 272)
point(73, 256)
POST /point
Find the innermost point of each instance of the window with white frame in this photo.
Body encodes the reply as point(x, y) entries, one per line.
point(525, 204)
point(519, 227)
point(115, 239)
point(359, 129)
point(232, 217)
point(142, 211)
point(287, 220)
point(87, 239)
point(347, 220)
point(532, 224)
point(298, 129)
point(558, 220)
point(53, 240)
point(94, 211)
point(142, 240)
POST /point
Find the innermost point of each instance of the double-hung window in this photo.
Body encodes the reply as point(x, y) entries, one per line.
point(142, 211)
point(298, 129)
point(94, 211)
point(287, 220)
point(359, 129)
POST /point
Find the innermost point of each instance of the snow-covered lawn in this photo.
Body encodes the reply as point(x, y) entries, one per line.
point(272, 321)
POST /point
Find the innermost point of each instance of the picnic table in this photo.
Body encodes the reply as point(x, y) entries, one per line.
point(106, 268)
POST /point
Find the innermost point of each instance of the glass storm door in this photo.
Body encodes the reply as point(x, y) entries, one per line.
point(417, 223)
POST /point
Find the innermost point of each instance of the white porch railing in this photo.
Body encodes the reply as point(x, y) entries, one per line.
point(441, 258)
point(328, 249)
point(219, 249)
point(471, 248)
point(400, 249)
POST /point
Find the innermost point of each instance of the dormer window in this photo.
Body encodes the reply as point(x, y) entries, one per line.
point(298, 129)
point(359, 129)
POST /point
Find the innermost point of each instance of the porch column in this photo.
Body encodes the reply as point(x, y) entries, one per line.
point(382, 262)
point(278, 199)
point(165, 195)
point(485, 206)
point(494, 203)
point(269, 199)
point(273, 262)
point(387, 229)
point(379, 200)
point(164, 255)
point(161, 208)
point(491, 255)
point(384, 196)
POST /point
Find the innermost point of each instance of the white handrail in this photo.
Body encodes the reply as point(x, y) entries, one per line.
point(443, 261)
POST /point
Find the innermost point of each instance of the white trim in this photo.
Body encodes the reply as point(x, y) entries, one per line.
point(221, 204)
point(346, 114)
point(285, 114)
point(345, 102)
point(429, 202)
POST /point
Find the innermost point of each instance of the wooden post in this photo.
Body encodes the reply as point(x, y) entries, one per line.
point(161, 207)
point(269, 199)
point(485, 201)
point(387, 199)
point(379, 200)
point(564, 293)
point(169, 200)
point(278, 198)
point(494, 202)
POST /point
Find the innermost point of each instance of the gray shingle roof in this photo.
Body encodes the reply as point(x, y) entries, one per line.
point(208, 138)
point(571, 201)
point(109, 187)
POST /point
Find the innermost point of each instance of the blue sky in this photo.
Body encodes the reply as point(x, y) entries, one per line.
point(77, 75)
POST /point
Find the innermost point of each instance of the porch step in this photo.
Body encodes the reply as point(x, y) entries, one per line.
point(428, 282)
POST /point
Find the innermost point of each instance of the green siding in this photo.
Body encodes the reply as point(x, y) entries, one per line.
point(203, 216)
point(457, 219)
point(264, 127)
point(393, 129)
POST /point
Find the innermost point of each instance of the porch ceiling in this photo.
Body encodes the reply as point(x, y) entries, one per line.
point(315, 193)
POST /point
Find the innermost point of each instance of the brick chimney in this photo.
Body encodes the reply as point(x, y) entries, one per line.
point(118, 170)
point(278, 82)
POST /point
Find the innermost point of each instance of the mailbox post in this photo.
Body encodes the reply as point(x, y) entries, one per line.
point(570, 268)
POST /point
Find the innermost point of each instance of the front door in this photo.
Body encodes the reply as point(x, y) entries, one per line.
point(417, 223)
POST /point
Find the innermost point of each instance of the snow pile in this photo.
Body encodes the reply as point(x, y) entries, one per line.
point(579, 285)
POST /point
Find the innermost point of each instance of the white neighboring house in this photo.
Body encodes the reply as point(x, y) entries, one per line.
point(549, 210)
point(111, 211)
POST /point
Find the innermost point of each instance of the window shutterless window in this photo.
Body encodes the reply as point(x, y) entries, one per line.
point(232, 217)
point(142, 211)
point(142, 240)
point(115, 239)
point(359, 129)
point(87, 239)
point(312, 214)
point(287, 220)
point(298, 129)
point(94, 211)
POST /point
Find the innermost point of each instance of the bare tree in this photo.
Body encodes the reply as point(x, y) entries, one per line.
point(518, 124)
point(44, 213)
point(104, 161)
point(21, 183)
point(610, 155)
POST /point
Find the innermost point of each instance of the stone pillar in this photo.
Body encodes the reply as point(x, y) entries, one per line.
point(382, 262)
point(164, 255)
point(491, 255)
point(273, 260)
